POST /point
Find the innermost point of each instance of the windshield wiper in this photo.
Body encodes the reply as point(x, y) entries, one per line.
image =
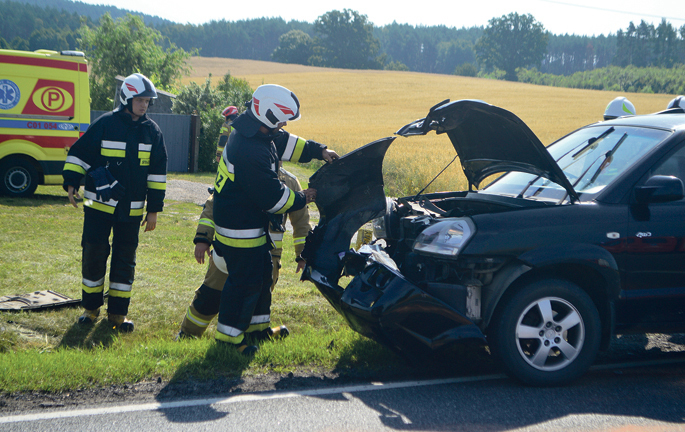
point(608, 156)
point(530, 183)
point(594, 142)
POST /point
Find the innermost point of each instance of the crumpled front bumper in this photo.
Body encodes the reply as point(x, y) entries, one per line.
point(381, 304)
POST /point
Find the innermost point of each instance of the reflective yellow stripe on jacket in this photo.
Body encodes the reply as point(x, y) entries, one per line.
point(241, 238)
point(226, 171)
point(156, 181)
point(293, 149)
point(75, 164)
point(287, 200)
point(277, 238)
point(113, 148)
point(90, 200)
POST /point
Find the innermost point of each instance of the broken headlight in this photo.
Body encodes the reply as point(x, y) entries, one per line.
point(380, 230)
point(445, 238)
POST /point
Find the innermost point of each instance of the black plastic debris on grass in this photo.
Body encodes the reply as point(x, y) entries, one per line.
point(35, 301)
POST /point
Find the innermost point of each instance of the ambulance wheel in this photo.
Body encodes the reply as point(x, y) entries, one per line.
point(18, 178)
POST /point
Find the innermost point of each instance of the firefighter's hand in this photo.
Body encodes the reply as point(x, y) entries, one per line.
point(329, 155)
point(150, 222)
point(310, 194)
point(201, 249)
point(73, 195)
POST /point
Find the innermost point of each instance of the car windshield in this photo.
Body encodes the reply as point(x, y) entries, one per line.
point(591, 159)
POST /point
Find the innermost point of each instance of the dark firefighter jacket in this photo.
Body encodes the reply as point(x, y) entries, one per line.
point(299, 219)
point(135, 155)
point(247, 188)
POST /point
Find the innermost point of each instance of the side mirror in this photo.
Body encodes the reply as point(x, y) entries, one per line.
point(659, 189)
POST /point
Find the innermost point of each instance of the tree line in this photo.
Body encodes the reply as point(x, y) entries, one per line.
point(346, 39)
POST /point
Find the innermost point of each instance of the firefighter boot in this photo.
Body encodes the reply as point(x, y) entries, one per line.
point(280, 332)
point(181, 335)
point(271, 333)
point(120, 323)
point(247, 350)
point(89, 316)
point(242, 347)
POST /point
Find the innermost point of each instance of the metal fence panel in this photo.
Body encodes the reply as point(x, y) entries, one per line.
point(176, 130)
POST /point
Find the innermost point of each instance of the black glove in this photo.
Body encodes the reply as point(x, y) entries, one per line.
point(276, 222)
point(102, 190)
point(106, 186)
point(116, 187)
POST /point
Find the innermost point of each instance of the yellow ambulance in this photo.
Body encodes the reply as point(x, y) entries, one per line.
point(44, 108)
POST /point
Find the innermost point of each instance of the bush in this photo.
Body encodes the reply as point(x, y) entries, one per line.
point(613, 78)
point(396, 66)
point(466, 69)
point(208, 102)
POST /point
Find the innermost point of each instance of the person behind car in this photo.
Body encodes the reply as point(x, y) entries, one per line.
point(229, 113)
point(619, 107)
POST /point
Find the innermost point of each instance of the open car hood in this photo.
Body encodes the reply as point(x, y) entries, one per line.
point(349, 194)
point(489, 140)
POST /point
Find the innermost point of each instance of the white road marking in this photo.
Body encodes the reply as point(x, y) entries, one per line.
point(240, 398)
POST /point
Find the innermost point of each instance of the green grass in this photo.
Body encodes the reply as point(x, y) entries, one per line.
point(40, 249)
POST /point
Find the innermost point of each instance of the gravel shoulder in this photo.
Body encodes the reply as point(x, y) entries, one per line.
point(187, 191)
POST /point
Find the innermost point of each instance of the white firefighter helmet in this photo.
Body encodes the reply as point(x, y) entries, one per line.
point(136, 85)
point(272, 104)
point(619, 107)
point(677, 102)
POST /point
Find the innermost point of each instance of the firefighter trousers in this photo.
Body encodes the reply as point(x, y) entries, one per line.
point(246, 297)
point(96, 250)
point(205, 304)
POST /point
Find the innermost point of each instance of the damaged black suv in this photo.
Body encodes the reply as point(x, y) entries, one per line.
point(569, 246)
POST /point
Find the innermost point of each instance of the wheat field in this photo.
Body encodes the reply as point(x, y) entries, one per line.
point(346, 109)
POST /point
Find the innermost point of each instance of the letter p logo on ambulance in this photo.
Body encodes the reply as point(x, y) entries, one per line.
point(51, 97)
point(9, 94)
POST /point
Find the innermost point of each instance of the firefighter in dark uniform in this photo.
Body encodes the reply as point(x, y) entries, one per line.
point(205, 304)
point(248, 194)
point(230, 113)
point(123, 158)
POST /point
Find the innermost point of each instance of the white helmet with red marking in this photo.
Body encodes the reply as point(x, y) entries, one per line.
point(272, 104)
point(136, 85)
point(230, 112)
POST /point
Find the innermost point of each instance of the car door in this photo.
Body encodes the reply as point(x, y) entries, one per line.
point(654, 284)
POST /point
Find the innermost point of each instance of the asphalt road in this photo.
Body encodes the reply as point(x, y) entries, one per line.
point(617, 397)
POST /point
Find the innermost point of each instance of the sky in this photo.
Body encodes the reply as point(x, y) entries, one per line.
point(579, 17)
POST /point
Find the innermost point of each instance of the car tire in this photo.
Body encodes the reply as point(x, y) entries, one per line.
point(18, 178)
point(547, 334)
